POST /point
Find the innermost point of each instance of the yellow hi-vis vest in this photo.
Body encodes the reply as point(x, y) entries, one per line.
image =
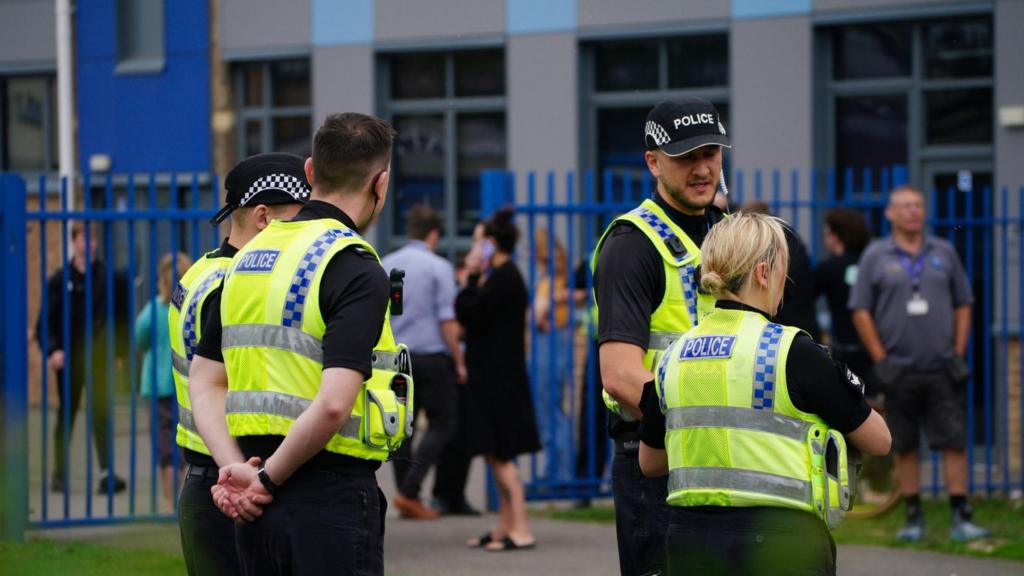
point(733, 436)
point(273, 343)
point(682, 305)
point(184, 322)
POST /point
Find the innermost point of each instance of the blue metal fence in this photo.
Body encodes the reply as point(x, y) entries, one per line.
point(131, 223)
point(990, 243)
point(141, 218)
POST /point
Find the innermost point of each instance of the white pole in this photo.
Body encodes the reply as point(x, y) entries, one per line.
point(64, 99)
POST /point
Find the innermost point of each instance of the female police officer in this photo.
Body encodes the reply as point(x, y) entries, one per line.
point(748, 418)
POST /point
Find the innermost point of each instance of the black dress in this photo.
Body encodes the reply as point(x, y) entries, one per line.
point(499, 418)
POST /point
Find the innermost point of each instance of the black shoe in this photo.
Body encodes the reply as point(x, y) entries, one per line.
point(119, 484)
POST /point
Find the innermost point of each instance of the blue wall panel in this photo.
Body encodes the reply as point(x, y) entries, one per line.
point(528, 16)
point(336, 22)
point(156, 121)
point(769, 8)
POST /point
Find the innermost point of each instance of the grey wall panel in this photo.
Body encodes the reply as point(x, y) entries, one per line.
point(1009, 78)
point(599, 13)
point(28, 34)
point(401, 20)
point(771, 79)
point(262, 25)
point(542, 104)
point(343, 82)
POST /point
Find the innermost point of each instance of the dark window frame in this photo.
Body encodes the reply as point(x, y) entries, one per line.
point(450, 107)
point(265, 113)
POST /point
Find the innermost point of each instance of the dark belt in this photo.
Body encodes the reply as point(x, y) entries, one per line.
point(628, 448)
point(204, 472)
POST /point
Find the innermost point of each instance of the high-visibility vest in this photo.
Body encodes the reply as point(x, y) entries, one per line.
point(682, 305)
point(184, 321)
point(273, 343)
point(733, 436)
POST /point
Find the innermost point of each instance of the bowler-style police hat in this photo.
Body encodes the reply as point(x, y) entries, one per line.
point(273, 178)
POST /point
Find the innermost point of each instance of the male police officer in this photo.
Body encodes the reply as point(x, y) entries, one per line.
point(261, 188)
point(646, 293)
point(316, 388)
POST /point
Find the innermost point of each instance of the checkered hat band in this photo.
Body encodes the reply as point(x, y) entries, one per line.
point(282, 182)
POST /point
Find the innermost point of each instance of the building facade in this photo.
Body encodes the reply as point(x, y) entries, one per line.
point(526, 85)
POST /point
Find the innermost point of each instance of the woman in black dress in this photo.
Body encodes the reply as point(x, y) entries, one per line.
point(500, 421)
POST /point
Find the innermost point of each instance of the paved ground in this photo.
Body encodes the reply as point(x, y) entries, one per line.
point(421, 549)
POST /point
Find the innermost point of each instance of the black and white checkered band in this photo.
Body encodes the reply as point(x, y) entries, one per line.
point(283, 182)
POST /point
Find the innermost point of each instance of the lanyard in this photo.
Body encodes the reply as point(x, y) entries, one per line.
point(914, 267)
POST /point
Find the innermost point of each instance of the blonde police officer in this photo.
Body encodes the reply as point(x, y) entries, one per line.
point(313, 389)
point(259, 189)
point(646, 295)
point(749, 419)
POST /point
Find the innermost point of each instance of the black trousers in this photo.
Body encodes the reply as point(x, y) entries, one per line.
point(641, 516)
point(756, 541)
point(320, 522)
point(99, 412)
point(434, 375)
point(453, 465)
point(207, 535)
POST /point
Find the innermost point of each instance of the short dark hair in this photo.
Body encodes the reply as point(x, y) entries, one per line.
point(421, 220)
point(850, 227)
point(78, 227)
point(502, 228)
point(348, 147)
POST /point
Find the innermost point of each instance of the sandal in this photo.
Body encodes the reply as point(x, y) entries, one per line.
point(508, 544)
point(480, 542)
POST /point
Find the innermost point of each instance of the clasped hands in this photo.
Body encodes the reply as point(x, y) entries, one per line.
point(238, 493)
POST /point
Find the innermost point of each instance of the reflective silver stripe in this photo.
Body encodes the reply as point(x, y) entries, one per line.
point(662, 340)
point(180, 363)
point(733, 417)
point(273, 336)
point(186, 420)
point(280, 404)
point(736, 479)
point(292, 340)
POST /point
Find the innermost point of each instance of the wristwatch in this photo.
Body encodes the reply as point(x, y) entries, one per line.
point(265, 480)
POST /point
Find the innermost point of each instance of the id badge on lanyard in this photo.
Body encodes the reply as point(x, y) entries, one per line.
point(917, 305)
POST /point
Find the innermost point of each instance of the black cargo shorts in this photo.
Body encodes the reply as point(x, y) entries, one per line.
point(929, 398)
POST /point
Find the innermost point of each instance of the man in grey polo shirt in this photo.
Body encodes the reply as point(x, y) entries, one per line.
point(429, 328)
point(912, 309)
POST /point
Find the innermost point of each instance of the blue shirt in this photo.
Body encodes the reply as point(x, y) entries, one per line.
point(429, 297)
point(158, 352)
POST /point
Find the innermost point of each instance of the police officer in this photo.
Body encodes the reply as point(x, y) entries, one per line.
point(646, 296)
point(259, 189)
point(748, 417)
point(317, 394)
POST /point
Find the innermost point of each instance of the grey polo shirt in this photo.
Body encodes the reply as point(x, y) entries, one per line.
point(429, 297)
point(884, 286)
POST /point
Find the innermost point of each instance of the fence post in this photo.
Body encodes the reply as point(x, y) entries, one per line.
point(492, 192)
point(14, 503)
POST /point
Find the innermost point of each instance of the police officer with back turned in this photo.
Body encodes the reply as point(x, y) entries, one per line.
point(646, 294)
point(313, 392)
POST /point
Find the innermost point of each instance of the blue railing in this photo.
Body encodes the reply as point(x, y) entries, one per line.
point(991, 245)
point(131, 223)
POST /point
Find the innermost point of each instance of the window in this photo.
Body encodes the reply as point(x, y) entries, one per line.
point(902, 92)
point(28, 124)
point(140, 35)
point(274, 105)
point(626, 78)
point(449, 111)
